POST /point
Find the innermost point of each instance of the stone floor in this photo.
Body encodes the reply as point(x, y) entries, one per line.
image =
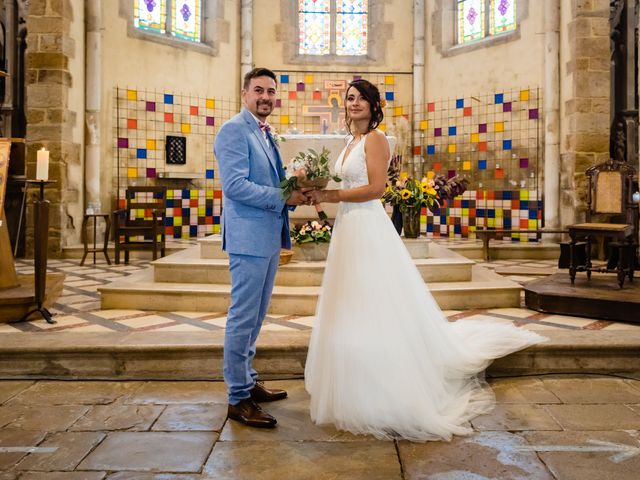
point(544, 427)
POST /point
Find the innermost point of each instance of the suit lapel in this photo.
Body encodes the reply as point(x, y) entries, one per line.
point(253, 126)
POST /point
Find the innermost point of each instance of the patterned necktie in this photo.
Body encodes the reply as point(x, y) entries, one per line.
point(265, 127)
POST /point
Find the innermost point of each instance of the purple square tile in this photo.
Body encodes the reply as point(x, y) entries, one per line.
point(533, 113)
point(151, 106)
point(211, 121)
point(451, 173)
point(123, 143)
point(151, 173)
point(300, 87)
point(506, 107)
point(524, 163)
point(437, 132)
point(278, 103)
point(482, 128)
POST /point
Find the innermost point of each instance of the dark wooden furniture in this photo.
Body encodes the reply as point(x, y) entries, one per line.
point(85, 235)
point(487, 234)
point(611, 214)
point(141, 224)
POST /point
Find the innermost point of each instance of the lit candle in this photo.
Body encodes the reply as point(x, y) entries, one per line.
point(42, 164)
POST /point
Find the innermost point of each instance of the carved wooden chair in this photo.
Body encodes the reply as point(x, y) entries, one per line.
point(141, 224)
point(612, 214)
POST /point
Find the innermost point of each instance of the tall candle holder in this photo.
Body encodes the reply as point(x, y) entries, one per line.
point(40, 241)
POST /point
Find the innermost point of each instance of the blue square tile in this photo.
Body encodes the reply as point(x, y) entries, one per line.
point(491, 213)
point(209, 174)
point(193, 230)
point(169, 221)
point(506, 195)
point(460, 103)
point(524, 205)
point(506, 222)
point(388, 96)
point(506, 144)
point(141, 153)
point(284, 78)
point(168, 99)
point(431, 149)
point(499, 98)
point(186, 194)
point(482, 164)
point(186, 212)
point(216, 219)
point(465, 203)
point(452, 131)
point(208, 211)
point(533, 214)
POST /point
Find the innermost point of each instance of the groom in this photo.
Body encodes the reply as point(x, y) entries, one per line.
point(255, 225)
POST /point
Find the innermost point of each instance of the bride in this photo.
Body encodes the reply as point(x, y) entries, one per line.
point(383, 359)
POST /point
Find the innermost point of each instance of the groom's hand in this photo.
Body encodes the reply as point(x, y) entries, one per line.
point(298, 198)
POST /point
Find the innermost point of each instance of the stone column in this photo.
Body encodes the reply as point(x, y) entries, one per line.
point(419, 49)
point(585, 138)
point(246, 38)
point(49, 120)
point(551, 113)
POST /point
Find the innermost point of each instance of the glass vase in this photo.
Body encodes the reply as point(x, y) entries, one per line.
point(411, 222)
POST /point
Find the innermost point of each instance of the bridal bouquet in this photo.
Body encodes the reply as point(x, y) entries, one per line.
point(316, 171)
point(408, 192)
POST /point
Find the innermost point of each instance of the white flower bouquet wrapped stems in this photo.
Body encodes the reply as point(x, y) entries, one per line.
point(315, 169)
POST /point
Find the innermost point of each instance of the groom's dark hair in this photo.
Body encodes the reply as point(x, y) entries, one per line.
point(258, 72)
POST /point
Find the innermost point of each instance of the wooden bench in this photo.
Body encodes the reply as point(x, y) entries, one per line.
point(487, 235)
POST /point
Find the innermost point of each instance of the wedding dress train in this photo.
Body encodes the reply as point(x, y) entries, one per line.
point(383, 359)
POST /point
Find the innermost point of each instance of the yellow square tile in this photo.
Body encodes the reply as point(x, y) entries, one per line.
point(524, 194)
point(209, 193)
point(132, 172)
point(382, 127)
point(284, 119)
point(475, 137)
point(201, 211)
point(498, 126)
point(210, 103)
point(132, 94)
point(397, 111)
point(524, 95)
point(185, 128)
point(533, 224)
point(451, 148)
point(424, 124)
point(308, 79)
point(216, 228)
point(169, 193)
point(177, 221)
point(466, 165)
point(389, 80)
point(193, 194)
point(151, 144)
point(499, 213)
point(491, 222)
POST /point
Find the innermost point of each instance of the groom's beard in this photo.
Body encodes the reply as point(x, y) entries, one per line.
point(264, 107)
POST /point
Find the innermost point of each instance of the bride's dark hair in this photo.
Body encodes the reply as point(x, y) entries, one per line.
point(372, 95)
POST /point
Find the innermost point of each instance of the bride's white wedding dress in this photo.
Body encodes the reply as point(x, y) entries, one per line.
point(383, 359)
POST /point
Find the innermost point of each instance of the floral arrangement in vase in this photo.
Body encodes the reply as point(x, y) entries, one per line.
point(311, 231)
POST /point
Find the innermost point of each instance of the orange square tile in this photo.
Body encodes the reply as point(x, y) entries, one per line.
point(293, 95)
point(417, 149)
point(132, 123)
point(168, 117)
point(467, 111)
point(193, 110)
point(482, 146)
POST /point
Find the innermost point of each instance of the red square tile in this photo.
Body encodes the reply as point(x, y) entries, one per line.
point(431, 107)
point(417, 149)
point(437, 166)
point(482, 146)
point(293, 95)
point(132, 123)
point(467, 111)
point(524, 223)
point(168, 117)
point(193, 110)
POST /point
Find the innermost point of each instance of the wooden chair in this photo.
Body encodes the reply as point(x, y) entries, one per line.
point(141, 224)
point(612, 214)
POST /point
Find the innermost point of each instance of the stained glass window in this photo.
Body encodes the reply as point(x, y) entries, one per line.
point(315, 26)
point(503, 16)
point(473, 23)
point(150, 15)
point(470, 20)
point(351, 27)
point(185, 19)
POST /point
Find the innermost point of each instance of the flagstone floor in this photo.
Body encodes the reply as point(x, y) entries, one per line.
point(551, 427)
point(78, 308)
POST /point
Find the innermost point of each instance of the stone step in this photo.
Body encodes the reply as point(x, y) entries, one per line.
point(140, 291)
point(211, 247)
point(188, 267)
point(198, 356)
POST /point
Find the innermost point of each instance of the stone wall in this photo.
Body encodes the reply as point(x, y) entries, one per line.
point(50, 122)
point(585, 133)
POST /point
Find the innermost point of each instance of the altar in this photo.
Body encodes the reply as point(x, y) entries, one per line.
point(292, 144)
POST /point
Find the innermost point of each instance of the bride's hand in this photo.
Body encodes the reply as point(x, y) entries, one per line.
point(323, 196)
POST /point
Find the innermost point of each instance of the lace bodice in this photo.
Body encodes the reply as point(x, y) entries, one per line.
point(353, 169)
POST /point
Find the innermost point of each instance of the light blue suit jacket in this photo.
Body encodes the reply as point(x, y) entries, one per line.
point(255, 217)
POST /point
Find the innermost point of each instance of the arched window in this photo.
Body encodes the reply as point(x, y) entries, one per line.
point(338, 27)
point(178, 18)
point(474, 23)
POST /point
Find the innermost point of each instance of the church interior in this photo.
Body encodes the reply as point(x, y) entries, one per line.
point(110, 110)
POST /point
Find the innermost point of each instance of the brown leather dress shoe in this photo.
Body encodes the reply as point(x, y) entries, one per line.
point(259, 393)
point(250, 413)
